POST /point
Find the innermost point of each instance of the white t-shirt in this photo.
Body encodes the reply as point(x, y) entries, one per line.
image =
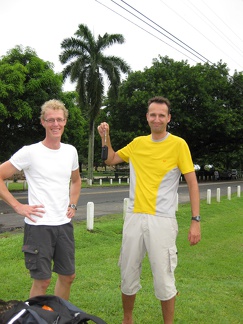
point(48, 174)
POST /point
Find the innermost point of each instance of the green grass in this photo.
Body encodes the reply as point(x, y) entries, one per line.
point(16, 186)
point(209, 275)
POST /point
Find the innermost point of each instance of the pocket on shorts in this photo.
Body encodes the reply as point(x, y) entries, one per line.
point(31, 253)
point(173, 258)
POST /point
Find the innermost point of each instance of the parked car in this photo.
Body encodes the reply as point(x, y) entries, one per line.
point(225, 175)
point(234, 174)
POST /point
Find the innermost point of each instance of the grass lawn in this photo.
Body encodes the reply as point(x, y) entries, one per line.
point(209, 275)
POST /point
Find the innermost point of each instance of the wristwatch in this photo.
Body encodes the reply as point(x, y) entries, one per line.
point(73, 206)
point(196, 218)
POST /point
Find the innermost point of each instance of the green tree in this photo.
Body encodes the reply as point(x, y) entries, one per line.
point(206, 107)
point(88, 66)
point(234, 153)
point(26, 82)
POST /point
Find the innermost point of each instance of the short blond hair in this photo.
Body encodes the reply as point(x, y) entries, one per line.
point(55, 105)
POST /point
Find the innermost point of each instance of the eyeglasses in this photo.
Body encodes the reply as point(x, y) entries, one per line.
point(52, 120)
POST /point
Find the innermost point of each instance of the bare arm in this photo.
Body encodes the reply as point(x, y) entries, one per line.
point(75, 188)
point(113, 157)
point(194, 235)
point(6, 171)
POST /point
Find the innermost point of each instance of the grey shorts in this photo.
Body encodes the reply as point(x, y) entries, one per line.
point(156, 236)
point(46, 245)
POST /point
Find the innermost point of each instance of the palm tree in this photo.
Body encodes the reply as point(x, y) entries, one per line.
point(88, 66)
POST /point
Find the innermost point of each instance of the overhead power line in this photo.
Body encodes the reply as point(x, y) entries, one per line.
point(204, 60)
point(186, 20)
point(234, 45)
point(216, 29)
point(203, 57)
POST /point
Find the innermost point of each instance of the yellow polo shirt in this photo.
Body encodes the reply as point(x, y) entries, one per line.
point(155, 170)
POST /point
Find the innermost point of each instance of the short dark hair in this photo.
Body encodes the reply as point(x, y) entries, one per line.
point(159, 99)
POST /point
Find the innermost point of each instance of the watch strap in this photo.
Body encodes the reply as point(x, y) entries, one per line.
point(196, 218)
point(73, 206)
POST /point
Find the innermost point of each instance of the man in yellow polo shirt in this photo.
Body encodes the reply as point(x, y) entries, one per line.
point(156, 163)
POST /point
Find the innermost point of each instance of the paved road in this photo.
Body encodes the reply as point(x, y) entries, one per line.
point(107, 200)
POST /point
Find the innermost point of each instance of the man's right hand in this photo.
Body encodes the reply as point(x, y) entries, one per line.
point(113, 158)
point(103, 129)
point(28, 211)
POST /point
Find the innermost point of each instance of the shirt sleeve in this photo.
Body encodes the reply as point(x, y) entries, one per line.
point(126, 151)
point(75, 160)
point(185, 163)
point(20, 159)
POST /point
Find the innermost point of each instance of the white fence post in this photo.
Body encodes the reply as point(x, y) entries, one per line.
point(209, 196)
point(25, 185)
point(229, 193)
point(111, 181)
point(127, 180)
point(90, 216)
point(119, 180)
point(238, 191)
point(100, 182)
point(89, 182)
point(218, 195)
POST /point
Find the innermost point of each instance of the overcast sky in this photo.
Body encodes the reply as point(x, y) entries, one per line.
point(207, 29)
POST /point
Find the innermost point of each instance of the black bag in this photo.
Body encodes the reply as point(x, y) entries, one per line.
point(47, 309)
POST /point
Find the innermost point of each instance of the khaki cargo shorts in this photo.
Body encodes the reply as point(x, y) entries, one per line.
point(156, 236)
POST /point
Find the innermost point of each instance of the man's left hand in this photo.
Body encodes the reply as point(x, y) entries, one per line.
point(194, 235)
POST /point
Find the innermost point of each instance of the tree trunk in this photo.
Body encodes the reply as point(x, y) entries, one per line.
point(91, 155)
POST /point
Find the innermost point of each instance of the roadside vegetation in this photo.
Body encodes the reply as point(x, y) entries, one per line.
point(209, 276)
point(105, 176)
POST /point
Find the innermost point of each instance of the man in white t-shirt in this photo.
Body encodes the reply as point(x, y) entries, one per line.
point(52, 172)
